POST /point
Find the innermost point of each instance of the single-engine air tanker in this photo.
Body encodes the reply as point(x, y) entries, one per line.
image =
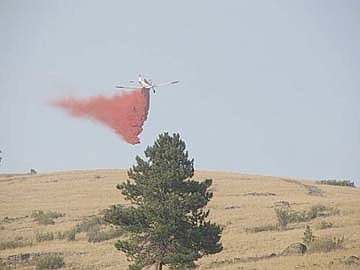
point(146, 84)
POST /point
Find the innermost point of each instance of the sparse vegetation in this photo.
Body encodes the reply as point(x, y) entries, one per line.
point(232, 207)
point(282, 215)
point(320, 210)
point(281, 204)
point(285, 216)
point(41, 237)
point(71, 235)
point(100, 236)
point(321, 244)
point(49, 236)
point(294, 249)
point(313, 190)
point(325, 225)
point(90, 224)
point(297, 216)
point(260, 194)
point(308, 236)
point(326, 244)
point(53, 261)
point(333, 182)
point(61, 235)
point(45, 218)
point(14, 244)
point(262, 228)
point(310, 189)
point(8, 220)
point(95, 229)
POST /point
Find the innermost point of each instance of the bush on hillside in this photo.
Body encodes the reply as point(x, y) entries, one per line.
point(14, 244)
point(344, 183)
point(262, 228)
point(45, 218)
point(285, 215)
point(71, 235)
point(50, 262)
point(308, 236)
point(41, 237)
point(326, 244)
point(100, 236)
point(325, 225)
point(282, 215)
point(90, 224)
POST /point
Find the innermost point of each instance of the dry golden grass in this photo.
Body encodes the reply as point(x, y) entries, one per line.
point(79, 194)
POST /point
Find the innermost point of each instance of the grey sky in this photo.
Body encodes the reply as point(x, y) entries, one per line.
point(267, 87)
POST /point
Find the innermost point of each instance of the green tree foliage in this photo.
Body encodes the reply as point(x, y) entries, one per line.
point(167, 221)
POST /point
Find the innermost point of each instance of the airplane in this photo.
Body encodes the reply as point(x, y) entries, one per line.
point(146, 84)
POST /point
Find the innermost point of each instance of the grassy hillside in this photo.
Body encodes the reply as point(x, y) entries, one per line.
point(243, 204)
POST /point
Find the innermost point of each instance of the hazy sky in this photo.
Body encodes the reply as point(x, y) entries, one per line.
point(267, 87)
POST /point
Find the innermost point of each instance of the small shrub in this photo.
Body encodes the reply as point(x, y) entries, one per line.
point(263, 228)
point(71, 235)
point(325, 225)
point(260, 194)
point(296, 217)
point(344, 183)
point(326, 244)
point(50, 262)
point(308, 236)
point(282, 215)
point(294, 249)
point(313, 190)
point(14, 244)
point(53, 214)
point(8, 220)
point(41, 237)
point(45, 218)
point(18, 238)
point(61, 235)
point(303, 216)
point(90, 224)
point(320, 210)
point(282, 204)
point(100, 236)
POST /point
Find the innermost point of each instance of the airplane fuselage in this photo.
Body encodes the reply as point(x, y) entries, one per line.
point(144, 83)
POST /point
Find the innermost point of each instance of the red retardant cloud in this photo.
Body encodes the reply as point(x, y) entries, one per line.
point(124, 113)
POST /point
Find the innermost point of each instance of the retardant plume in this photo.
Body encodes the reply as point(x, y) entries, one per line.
point(125, 113)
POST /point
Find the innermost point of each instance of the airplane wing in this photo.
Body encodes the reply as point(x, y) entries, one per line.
point(146, 81)
point(127, 82)
point(128, 87)
point(163, 84)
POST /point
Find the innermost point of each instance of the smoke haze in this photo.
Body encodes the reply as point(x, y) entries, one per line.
point(124, 113)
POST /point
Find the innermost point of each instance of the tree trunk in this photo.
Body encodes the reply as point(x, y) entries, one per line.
point(159, 266)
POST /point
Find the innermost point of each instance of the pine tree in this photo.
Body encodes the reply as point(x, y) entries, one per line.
point(167, 220)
